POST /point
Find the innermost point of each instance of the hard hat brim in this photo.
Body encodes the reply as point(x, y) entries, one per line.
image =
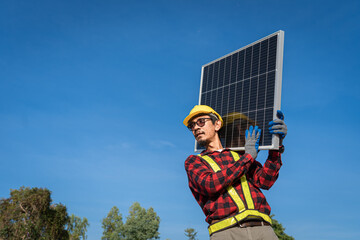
point(190, 116)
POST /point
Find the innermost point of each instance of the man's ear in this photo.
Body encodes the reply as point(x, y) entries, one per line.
point(217, 125)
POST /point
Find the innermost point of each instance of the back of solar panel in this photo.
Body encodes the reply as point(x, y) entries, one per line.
point(244, 87)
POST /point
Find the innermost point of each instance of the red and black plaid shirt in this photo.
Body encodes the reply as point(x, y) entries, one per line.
point(209, 188)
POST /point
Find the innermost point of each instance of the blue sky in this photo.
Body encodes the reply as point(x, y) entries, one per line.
point(93, 94)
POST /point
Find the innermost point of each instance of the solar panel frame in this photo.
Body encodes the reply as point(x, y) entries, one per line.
point(244, 57)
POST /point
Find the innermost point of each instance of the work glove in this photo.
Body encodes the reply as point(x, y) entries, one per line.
point(278, 126)
point(252, 141)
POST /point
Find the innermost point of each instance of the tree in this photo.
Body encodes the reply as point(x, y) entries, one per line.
point(141, 224)
point(29, 214)
point(190, 234)
point(77, 227)
point(279, 230)
point(113, 225)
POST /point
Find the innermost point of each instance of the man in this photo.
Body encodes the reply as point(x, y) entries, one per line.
point(226, 184)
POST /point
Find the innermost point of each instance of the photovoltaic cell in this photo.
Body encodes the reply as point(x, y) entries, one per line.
point(244, 87)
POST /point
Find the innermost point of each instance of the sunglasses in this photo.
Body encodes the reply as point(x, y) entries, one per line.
point(200, 122)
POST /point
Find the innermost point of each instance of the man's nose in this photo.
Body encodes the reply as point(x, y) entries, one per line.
point(195, 127)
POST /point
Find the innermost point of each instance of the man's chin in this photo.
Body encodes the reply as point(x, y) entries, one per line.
point(202, 143)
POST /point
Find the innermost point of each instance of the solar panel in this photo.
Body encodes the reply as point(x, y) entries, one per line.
point(244, 87)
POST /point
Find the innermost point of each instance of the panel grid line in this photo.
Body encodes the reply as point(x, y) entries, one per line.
point(214, 89)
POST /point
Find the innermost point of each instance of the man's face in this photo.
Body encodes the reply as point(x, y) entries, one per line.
point(206, 133)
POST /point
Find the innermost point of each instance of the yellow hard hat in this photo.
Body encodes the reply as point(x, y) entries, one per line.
point(199, 109)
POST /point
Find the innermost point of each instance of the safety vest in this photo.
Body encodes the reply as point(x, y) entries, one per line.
point(245, 211)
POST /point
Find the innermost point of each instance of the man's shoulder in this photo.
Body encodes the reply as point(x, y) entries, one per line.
point(192, 157)
point(192, 161)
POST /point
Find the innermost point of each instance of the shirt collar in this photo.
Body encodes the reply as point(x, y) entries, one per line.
point(207, 152)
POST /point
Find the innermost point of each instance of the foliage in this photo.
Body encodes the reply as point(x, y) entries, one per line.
point(141, 224)
point(29, 214)
point(77, 227)
point(113, 225)
point(190, 234)
point(279, 230)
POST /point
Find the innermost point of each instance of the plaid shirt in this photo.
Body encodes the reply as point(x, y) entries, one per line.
point(209, 188)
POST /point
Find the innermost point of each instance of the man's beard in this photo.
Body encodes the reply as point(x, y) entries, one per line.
point(202, 143)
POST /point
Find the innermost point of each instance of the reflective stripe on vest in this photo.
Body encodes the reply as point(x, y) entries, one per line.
point(243, 211)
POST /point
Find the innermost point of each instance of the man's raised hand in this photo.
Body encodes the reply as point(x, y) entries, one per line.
point(252, 140)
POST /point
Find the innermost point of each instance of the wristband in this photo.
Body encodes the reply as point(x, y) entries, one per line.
point(281, 149)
